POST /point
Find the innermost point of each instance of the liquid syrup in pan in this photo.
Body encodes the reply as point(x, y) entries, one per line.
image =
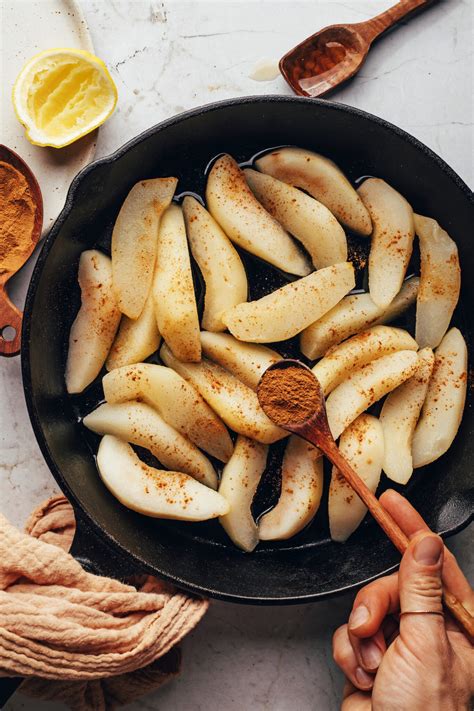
point(262, 279)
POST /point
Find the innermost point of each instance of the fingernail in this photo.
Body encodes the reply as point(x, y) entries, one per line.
point(363, 679)
point(359, 617)
point(371, 654)
point(428, 550)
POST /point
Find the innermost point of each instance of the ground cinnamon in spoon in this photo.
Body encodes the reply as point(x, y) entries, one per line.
point(17, 217)
point(289, 395)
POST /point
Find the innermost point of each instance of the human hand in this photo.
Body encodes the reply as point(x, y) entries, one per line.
point(420, 662)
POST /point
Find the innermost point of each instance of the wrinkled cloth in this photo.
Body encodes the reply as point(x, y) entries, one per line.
point(58, 622)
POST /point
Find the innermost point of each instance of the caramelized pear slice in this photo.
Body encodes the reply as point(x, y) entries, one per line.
point(440, 282)
point(173, 289)
point(136, 339)
point(362, 444)
point(288, 310)
point(155, 492)
point(308, 220)
point(444, 403)
point(140, 424)
point(301, 490)
point(134, 239)
point(392, 239)
point(240, 478)
point(322, 179)
point(219, 262)
point(233, 205)
point(96, 323)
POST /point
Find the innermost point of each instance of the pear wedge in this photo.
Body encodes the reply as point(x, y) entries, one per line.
point(367, 385)
point(96, 323)
point(240, 479)
point(173, 289)
point(322, 179)
point(399, 415)
point(136, 339)
point(219, 262)
point(308, 220)
point(301, 490)
point(140, 424)
point(155, 492)
point(352, 314)
point(444, 403)
point(288, 310)
point(176, 400)
point(247, 361)
point(362, 444)
point(233, 205)
point(362, 348)
point(234, 402)
point(134, 239)
point(440, 282)
point(392, 239)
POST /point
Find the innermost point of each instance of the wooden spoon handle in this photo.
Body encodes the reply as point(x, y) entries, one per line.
point(391, 528)
point(9, 316)
point(381, 23)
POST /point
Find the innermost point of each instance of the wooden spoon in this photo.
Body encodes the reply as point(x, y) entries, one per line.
point(308, 419)
point(11, 262)
point(336, 53)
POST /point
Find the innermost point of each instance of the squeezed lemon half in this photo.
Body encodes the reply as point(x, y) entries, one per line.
point(61, 95)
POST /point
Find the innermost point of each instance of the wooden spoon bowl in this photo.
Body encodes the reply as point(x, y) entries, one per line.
point(333, 55)
point(10, 316)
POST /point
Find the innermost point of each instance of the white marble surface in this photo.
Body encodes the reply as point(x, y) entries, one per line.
point(171, 56)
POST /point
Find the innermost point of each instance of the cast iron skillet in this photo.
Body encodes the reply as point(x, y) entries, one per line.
point(198, 557)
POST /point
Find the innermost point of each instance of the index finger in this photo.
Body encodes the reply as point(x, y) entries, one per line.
point(411, 524)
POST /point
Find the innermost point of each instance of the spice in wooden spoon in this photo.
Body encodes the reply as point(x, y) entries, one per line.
point(21, 220)
point(292, 397)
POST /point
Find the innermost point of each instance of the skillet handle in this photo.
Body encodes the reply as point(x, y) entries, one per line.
point(97, 555)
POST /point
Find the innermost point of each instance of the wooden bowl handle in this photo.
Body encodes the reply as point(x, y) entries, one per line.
point(381, 23)
point(9, 316)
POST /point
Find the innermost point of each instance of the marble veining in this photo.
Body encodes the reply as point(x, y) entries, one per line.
point(167, 57)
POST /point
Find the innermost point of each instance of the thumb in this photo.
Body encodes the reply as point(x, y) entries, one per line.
point(421, 589)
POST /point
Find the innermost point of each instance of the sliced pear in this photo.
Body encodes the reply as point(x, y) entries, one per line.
point(399, 415)
point(301, 490)
point(247, 361)
point(322, 179)
point(444, 403)
point(96, 323)
point(135, 340)
point(220, 264)
point(362, 348)
point(155, 492)
point(288, 310)
point(440, 282)
point(233, 401)
point(178, 403)
point(140, 424)
point(304, 217)
point(173, 288)
point(392, 239)
point(367, 385)
point(352, 314)
point(362, 444)
point(134, 239)
point(240, 478)
point(233, 205)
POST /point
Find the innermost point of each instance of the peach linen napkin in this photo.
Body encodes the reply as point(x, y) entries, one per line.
point(89, 641)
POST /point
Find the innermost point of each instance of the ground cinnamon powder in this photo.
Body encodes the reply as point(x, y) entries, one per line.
point(17, 217)
point(289, 395)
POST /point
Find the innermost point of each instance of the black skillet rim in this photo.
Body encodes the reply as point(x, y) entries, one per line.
point(81, 513)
